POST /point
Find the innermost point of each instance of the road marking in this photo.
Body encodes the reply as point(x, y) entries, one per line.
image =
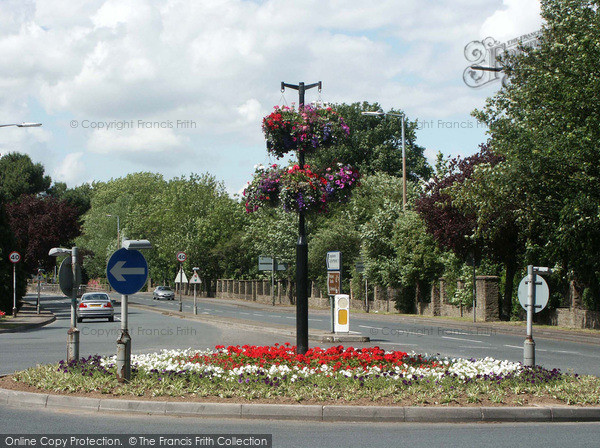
point(258, 314)
point(247, 314)
point(462, 339)
point(397, 343)
point(521, 348)
point(475, 346)
point(287, 317)
point(453, 332)
point(366, 326)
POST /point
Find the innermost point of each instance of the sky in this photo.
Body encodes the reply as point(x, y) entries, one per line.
point(181, 86)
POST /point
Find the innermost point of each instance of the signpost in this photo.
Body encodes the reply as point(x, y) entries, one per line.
point(533, 296)
point(195, 280)
point(181, 279)
point(334, 280)
point(127, 272)
point(271, 264)
point(14, 258)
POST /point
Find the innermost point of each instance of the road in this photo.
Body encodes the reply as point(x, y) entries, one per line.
point(152, 331)
point(310, 434)
point(394, 333)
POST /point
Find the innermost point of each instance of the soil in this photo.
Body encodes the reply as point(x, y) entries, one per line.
point(8, 382)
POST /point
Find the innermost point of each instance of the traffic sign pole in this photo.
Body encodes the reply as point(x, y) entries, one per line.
point(127, 272)
point(529, 344)
point(73, 332)
point(14, 290)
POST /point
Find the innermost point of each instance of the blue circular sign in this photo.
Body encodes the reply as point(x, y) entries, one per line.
point(127, 271)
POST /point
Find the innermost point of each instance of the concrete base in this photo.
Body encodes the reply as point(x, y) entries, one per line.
point(345, 337)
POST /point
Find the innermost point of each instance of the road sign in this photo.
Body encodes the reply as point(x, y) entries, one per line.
point(65, 277)
point(127, 271)
point(181, 257)
point(266, 264)
point(181, 277)
point(195, 279)
point(360, 267)
point(542, 293)
point(14, 257)
point(333, 283)
point(334, 261)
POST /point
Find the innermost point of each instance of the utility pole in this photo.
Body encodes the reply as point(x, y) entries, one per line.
point(301, 247)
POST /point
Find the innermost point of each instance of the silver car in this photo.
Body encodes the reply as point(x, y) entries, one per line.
point(95, 305)
point(163, 292)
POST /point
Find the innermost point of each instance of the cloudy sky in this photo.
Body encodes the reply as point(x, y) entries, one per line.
point(180, 86)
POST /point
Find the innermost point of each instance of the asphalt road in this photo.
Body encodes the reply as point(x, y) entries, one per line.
point(393, 333)
point(152, 331)
point(310, 434)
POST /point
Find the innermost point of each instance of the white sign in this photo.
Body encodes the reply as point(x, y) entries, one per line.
point(341, 323)
point(181, 277)
point(195, 279)
point(14, 257)
point(542, 293)
point(334, 261)
point(181, 257)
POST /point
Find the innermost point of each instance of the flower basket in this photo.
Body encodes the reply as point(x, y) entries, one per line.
point(305, 129)
point(300, 189)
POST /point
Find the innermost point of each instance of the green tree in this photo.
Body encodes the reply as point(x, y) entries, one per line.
point(19, 175)
point(546, 123)
point(375, 144)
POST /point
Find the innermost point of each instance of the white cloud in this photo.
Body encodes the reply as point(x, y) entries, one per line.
point(220, 64)
point(517, 17)
point(71, 170)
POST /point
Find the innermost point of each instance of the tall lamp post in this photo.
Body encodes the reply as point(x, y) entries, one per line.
point(403, 117)
point(301, 247)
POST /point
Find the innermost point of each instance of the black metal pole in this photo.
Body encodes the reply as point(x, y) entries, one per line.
point(301, 250)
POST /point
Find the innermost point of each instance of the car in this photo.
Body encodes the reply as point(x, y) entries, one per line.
point(163, 292)
point(95, 305)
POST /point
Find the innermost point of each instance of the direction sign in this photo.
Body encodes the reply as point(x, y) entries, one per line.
point(181, 277)
point(266, 264)
point(181, 257)
point(14, 257)
point(127, 271)
point(334, 261)
point(333, 283)
point(195, 279)
point(542, 292)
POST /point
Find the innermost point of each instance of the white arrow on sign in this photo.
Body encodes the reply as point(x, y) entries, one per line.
point(118, 271)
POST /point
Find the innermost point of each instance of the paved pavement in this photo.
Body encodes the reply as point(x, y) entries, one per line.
point(27, 319)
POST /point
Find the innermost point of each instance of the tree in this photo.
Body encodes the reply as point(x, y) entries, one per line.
point(39, 224)
point(375, 144)
point(469, 214)
point(7, 245)
point(79, 197)
point(546, 123)
point(19, 175)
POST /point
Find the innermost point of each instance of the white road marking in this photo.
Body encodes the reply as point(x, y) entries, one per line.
point(462, 339)
point(366, 326)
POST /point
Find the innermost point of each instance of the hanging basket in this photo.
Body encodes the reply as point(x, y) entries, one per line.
point(300, 189)
point(305, 129)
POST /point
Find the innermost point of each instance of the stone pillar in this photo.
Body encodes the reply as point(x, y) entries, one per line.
point(488, 297)
point(436, 305)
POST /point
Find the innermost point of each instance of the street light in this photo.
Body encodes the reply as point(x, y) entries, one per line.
point(381, 113)
point(22, 125)
point(73, 332)
point(118, 229)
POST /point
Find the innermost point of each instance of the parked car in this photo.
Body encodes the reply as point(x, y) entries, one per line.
point(163, 292)
point(95, 305)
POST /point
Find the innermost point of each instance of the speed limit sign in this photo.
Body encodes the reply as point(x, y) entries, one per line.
point(14, 257)
point(181, 257)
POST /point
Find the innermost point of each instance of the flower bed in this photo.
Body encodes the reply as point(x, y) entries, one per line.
point(332, 375)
